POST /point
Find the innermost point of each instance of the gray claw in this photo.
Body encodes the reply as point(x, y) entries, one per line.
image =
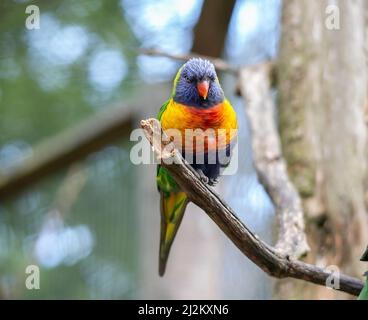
point(213, 182)
point(202, 176)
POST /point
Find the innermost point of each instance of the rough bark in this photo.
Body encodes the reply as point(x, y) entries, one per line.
point(322, 94)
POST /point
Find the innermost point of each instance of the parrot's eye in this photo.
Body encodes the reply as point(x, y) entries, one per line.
point(187, 79)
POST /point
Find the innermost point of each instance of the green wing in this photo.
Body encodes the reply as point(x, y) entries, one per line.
point(162, 109)
point(159, 116)
point(173, 203)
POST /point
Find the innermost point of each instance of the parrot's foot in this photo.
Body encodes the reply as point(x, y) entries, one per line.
point(202, 176)
point(213, 182)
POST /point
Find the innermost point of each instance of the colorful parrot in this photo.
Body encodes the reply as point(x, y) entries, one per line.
point(197, 102)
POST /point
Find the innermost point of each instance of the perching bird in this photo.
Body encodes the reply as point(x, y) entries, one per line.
point(197, 102)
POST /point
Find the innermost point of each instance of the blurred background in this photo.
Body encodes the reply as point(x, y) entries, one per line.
point(93, 226)
point(72, 91)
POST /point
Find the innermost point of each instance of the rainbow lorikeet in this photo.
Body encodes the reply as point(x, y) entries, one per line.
point(197, 102)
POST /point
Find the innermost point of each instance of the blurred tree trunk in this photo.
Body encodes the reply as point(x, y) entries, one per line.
point(322, 97)
point(366, 104)
point(211, 29)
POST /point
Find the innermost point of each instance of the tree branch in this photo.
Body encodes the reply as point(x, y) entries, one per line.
point(264, 256)
point(69, 146)
point(269, 162)
point(219, 64)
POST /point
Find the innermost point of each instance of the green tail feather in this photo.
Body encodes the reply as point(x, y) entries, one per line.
point(172, 211)
point(173, 204)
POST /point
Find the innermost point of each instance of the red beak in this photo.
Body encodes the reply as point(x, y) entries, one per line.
point(203, 88)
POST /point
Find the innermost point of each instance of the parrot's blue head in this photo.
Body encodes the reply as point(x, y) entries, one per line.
point(197, 85)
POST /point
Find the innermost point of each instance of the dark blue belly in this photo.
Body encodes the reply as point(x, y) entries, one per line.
point(210, 163)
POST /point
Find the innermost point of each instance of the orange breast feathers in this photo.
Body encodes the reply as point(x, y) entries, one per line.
point(195, 129)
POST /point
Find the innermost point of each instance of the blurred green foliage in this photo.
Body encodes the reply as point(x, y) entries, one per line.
point(24, 104)
point(41, 94)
